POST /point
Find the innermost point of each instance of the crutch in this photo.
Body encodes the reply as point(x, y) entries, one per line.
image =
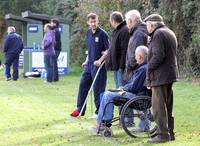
point(97, 73)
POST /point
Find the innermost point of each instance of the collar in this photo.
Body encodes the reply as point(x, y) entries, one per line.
point(121, 25)
point(159, 26)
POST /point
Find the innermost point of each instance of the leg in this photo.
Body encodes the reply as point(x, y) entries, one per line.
point(84, 86)
point(15, 67)
point(169, 111)
point(99, 85)
point(159, 95)
point(56, 75)
point(107, 97)
point(8, 63)
point(47, 63)
point(118, 77)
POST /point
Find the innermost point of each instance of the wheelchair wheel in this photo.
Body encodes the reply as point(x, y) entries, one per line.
point(135, 110)
point(107, 132)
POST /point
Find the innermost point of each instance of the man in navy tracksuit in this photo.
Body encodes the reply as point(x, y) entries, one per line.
point(97, 42)
point(13, 46)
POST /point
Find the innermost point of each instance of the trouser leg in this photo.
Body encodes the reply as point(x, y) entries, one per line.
point(8, 63)
point(170, 109)
point(55, 68)
point(15, 67)
point(159, 107)
point(84, 86)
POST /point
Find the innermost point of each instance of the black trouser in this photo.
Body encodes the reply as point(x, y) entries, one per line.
point(56, 75)
point(162, 105)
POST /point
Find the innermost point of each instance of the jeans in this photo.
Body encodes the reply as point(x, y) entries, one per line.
point(48, 63)
point(11, 59)
point(108, 96)
point(118, 77)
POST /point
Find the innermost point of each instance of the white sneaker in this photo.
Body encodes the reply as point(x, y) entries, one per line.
point(94, 116)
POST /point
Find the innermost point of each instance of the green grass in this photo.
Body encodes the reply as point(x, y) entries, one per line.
point(33, 113)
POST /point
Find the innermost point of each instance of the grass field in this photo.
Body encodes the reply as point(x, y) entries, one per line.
point(34, 113)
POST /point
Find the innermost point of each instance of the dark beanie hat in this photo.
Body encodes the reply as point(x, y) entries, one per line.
point(154, 17)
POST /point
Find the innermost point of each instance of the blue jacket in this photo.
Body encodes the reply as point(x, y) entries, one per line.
point(13, 43)
point(136, 84)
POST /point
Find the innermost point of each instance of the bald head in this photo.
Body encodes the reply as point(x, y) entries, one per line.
point(141, 53)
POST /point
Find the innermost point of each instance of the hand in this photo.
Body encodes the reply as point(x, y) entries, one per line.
point(104, 52)
point(97, 63)
point(83, 64)
point(149, 88)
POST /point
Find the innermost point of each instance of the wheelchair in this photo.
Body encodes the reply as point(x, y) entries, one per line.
point(137, 108)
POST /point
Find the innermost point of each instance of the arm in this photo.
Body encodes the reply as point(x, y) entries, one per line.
point(158, 53)
point(136, 83)
point(139, 39)
point(5, 46)
point(124, 39)
point(47, 42)
point(106, 44)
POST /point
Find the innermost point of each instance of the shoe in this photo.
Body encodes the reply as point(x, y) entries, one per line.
point(172, 137)
point(97, 127)
point(75, 113)
point(94, 116)
point(8, 79)
point(159, 139)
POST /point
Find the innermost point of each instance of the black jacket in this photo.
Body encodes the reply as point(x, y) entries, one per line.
point(117, 51)
point(58, 46)
point(162, 62)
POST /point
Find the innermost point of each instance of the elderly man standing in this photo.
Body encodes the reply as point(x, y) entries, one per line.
point(138, 36)
point(13, 46)
point(161, 74)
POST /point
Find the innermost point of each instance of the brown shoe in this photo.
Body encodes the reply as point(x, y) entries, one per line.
point(172, 137)
point(159, 139)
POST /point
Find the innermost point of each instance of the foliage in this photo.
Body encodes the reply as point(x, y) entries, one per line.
point(182, 16)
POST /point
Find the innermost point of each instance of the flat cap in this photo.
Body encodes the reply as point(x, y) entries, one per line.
point(154, 17)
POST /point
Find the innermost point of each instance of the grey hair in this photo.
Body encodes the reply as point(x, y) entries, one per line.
point(143, 50)
point(134, 15)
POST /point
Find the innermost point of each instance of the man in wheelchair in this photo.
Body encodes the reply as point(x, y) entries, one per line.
point(134, 87)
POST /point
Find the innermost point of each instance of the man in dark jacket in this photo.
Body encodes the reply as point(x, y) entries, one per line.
point(57, 47)
point(138, 36)
point(135, 86)
point(162, 72)
point(13, 46)
point(116, 57)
